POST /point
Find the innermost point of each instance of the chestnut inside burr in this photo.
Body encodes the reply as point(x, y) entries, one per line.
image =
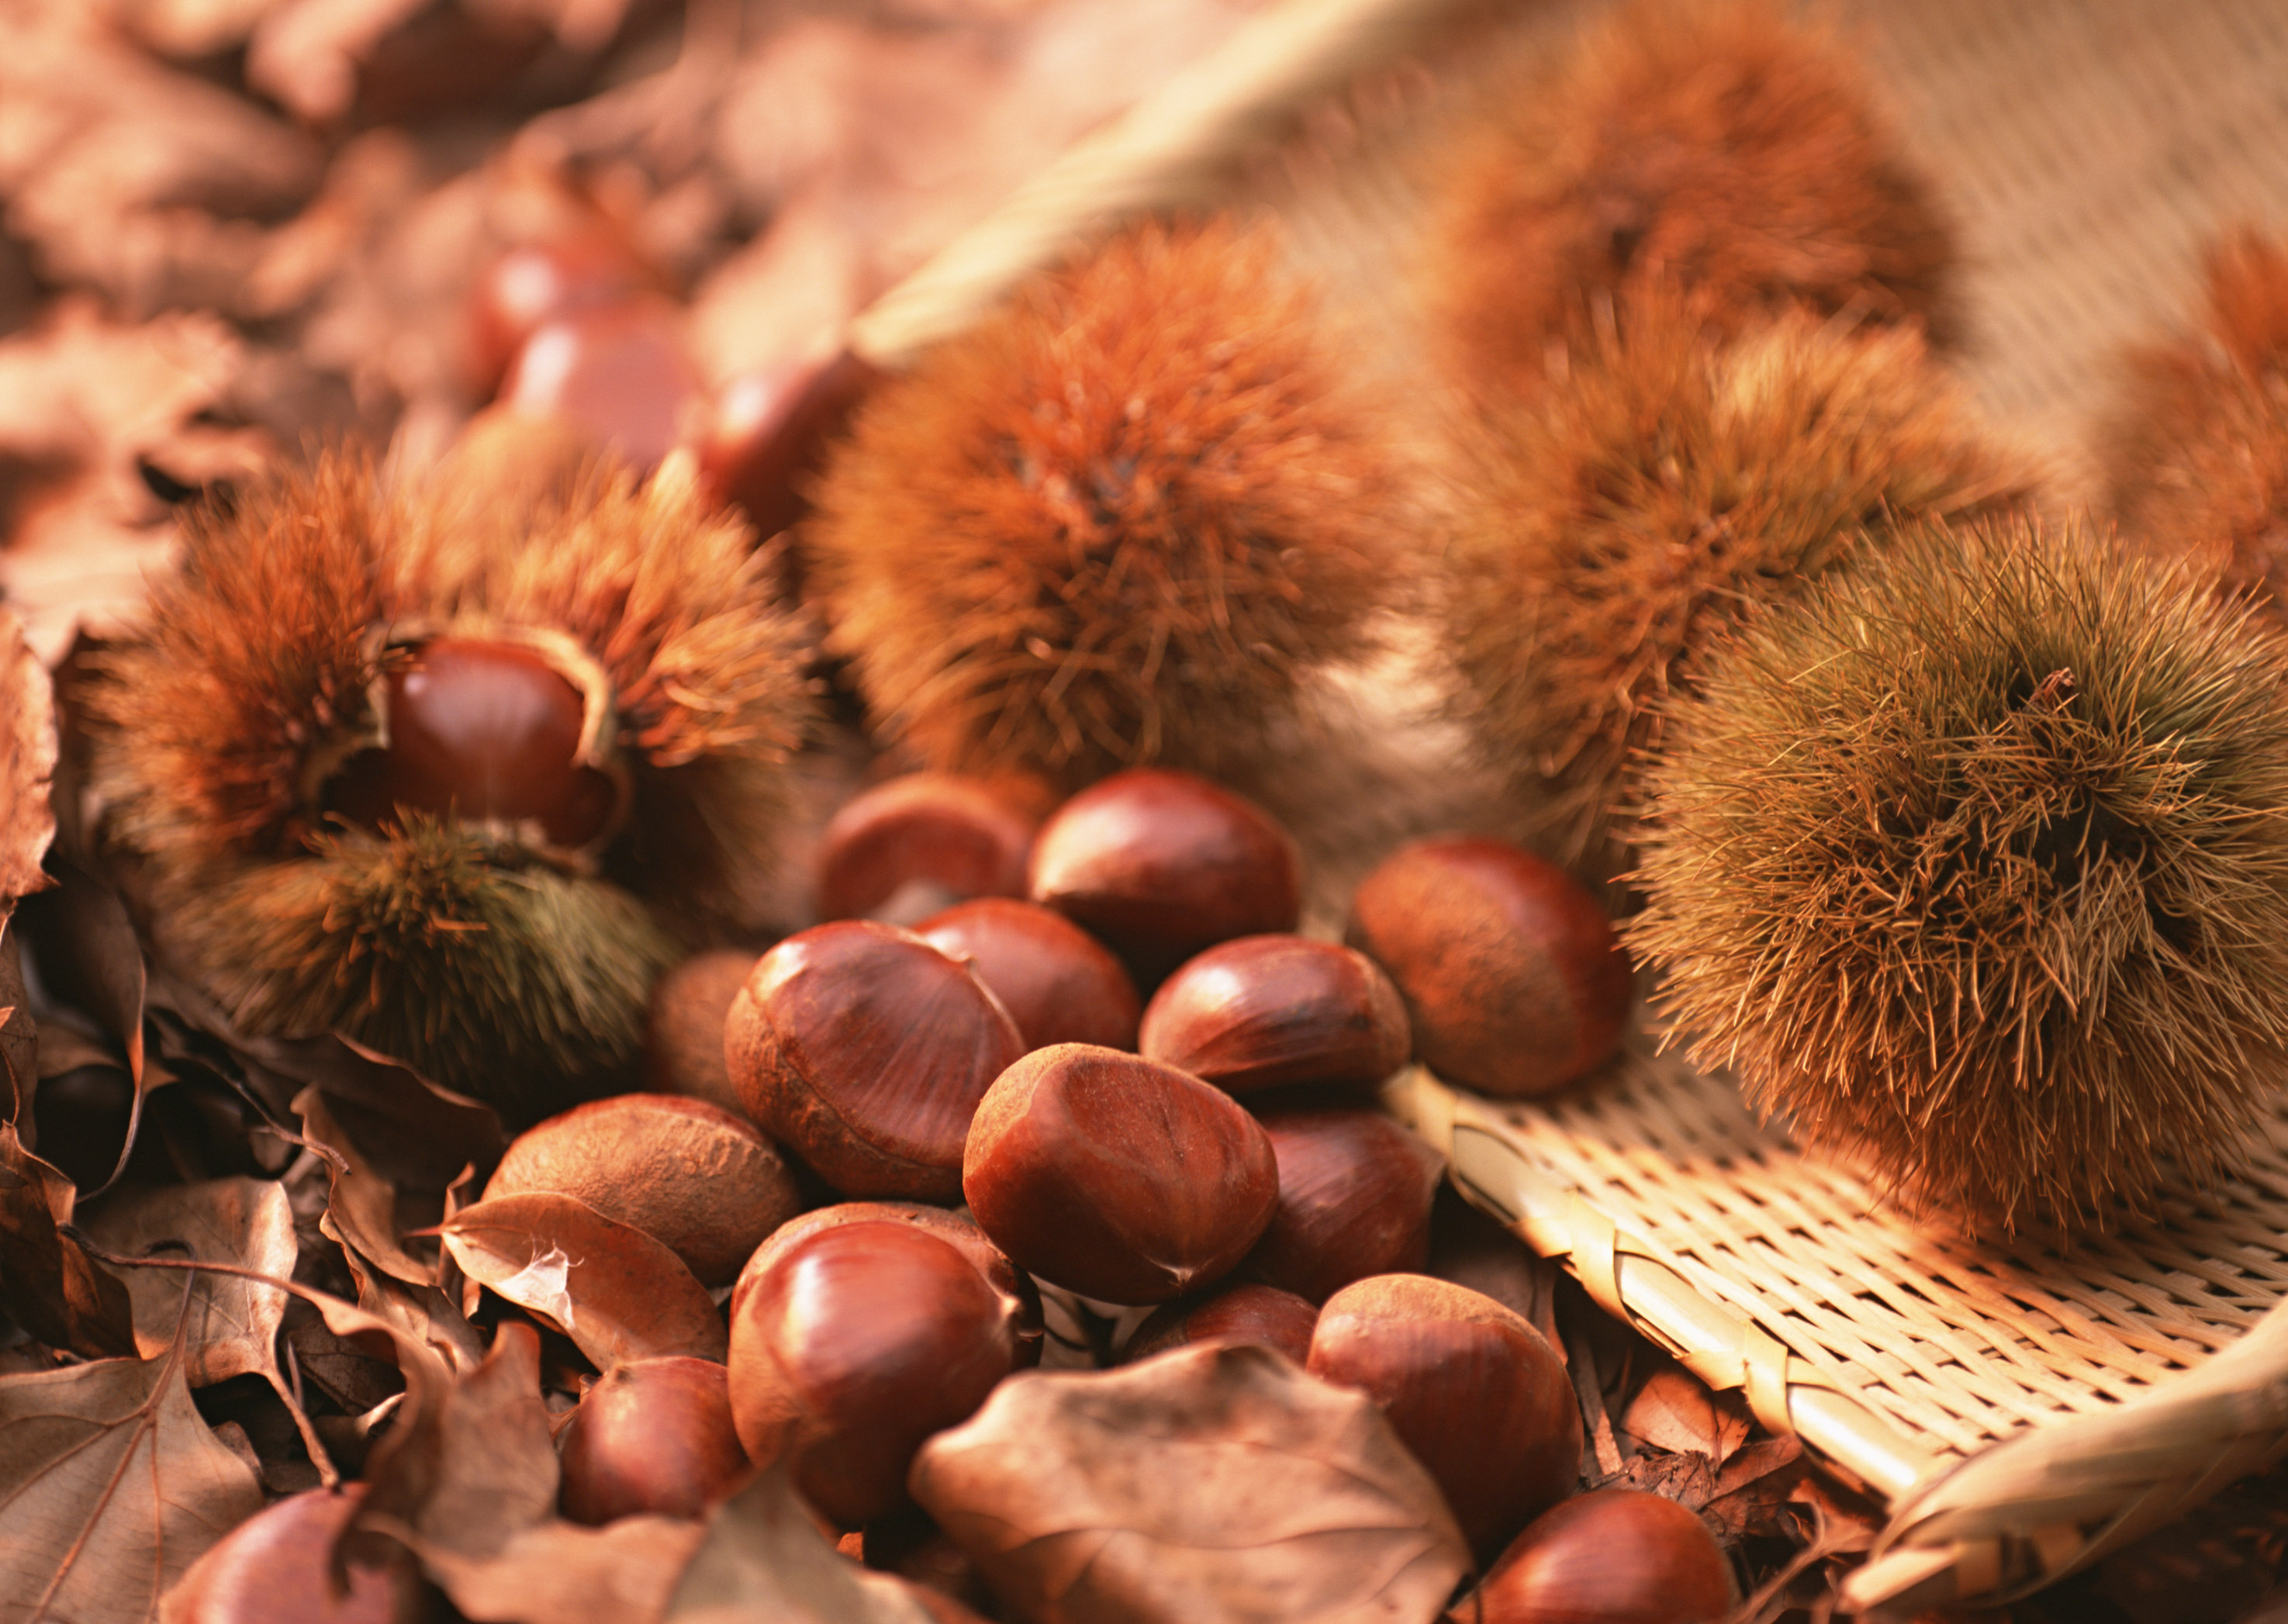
point(483, 730)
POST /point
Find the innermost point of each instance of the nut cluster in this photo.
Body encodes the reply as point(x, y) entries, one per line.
point(1210, 1154)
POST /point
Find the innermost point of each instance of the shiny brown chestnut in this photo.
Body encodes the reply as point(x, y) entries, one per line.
point(956, 1230)
point(527, 286)
point(1614, 1556)
point(865, 1050)
point(1116, 1177)
point(1264, 1315)
point(1162, 864)
point(1058, 983)
point(702, 1180)
point(858, 1343)
point(480, 729)
point(618, 372)
point(1263, 1011)
point(1356, 1190)
point(683, 1026)
point(1513, 977)
point(652, 1434)
point(909, 846)
point(277, 1567)
point(1472, 1389)
point(768, 429)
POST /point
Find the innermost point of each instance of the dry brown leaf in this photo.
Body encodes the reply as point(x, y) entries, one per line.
point(616, 1291)
point(414, 1133)
point(190, 29)
point(484, 1472)
point(360, 1217)
point(1216, 1482)
point(128, 176)
point(232, 1323)
point(28, 763)
point(1752, 1488)
point(228, 1323)
point(20, 1035)
point(87, 403)
point(88, 956)
point(621, 1574)
point(766, 1561)
point(1672, 1411)
point(110, 1486)
point(48, 1283)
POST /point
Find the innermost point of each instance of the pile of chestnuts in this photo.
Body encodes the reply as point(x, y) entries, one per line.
point(1097, 1064)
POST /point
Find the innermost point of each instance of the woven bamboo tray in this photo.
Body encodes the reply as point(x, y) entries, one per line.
point(2021, 1408)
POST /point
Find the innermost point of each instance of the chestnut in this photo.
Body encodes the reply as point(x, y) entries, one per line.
point(1263, 1011)
point(277, 1567)
point(768, 429)
point(953, 1228)
point(909, 846)
point(1116, 1177)
point(1161, 864)
point(852, 1348)
point(683, 1026)
point(1476, 1394)
point(481, 729)
point(1618, 1555)
point(652, 1434)
point(1264, 1315)
point(702, 1181)
point(527, 286)
point(1058, 983)
point(1356, 1190)
point(866, 1051)
point(1513, 976)
point(617, 371)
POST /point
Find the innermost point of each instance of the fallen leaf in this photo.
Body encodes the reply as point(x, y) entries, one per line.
point(408, 1129)
point(19, 1033)
point(613, 1289)
point(27, 764)
point(621, 1574)
point(766, 1561)
point(132, 177)
point(361, 1209)
point(1672, 1411)
point(1215, 1482)
point(228, 1322)
point(360, 1217)
point(48, 1283)
point(110, 1487)
point(80, 936)
point(1753, 1488)
point(486, 1472)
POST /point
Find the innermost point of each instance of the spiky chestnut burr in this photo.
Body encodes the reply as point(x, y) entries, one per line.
point(1605, 530)
point(1975, 864)
point(318, 870)
point(2196, 452)
point(1715, 144)
point(1121, 522)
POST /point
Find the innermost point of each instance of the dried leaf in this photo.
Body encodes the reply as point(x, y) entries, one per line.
point(110, 1486)
point(123, 173)
point(485, 1472)
point(361, 1207)
point(766, 1561)
point(1753, 1487)
point(613, 1289)
point(88, 956)
point(48, 1283)
point(1672, 1411)
point(229, 1323)
point(621, 1574)
point(409, 1130)
point(28, 763)
point(20, 1035)
point(1216, 1482)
